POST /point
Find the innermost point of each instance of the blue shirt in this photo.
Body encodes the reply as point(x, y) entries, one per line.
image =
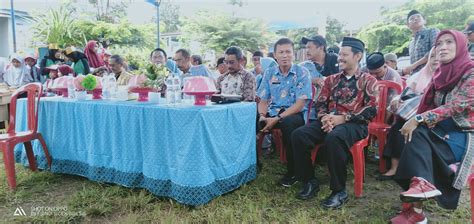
point(313, 72)
point(283, 91)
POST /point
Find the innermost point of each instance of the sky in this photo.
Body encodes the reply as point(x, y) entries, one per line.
point(298, 13)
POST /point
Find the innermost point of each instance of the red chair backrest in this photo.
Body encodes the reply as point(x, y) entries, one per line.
point(384, 87)
point(33, 91)
point(313, 95)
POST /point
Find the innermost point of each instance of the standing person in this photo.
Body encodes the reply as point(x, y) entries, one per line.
point(346, 105)
point(79, 61)
point(93, 57)
point(16, 72)
point(284, 93)
point(421, 42)
point(54, 56)
point(237, 81)
point(437, 158)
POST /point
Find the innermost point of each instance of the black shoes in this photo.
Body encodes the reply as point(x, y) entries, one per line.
point(335, 200)
point(308, 190)
point(382, 177)
point(288, 180)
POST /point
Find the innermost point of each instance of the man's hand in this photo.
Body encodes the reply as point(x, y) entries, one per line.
point(270, 122)
point(327, 123)
point(338, 119)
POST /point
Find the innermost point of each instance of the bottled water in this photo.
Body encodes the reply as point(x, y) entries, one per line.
point(170, 96)
point(70, 87)
point(177, 89)
point(105, 86)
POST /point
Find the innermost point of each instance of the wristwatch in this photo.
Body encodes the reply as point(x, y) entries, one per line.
point(348, 117)
point(419, 118)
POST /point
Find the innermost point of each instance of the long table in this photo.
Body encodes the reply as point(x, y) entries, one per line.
point(189, 153)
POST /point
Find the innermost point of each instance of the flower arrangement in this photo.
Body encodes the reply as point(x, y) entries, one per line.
point(152, 76)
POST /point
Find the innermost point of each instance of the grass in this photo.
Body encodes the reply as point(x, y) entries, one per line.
point(259, 201)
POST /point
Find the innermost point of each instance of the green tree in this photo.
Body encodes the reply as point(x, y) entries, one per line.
point(334, 31)
point(169, 15)
point(218, 31)
point(297, 34)
point(108, 11)
point(392, 34)
point(56, 26)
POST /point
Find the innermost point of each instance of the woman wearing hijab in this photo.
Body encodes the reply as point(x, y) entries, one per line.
point(33, 72)
point(79, 61)
point(91, 52)
point(15, 73)
point(437, 158)
point(53, 57)
point(404, 107)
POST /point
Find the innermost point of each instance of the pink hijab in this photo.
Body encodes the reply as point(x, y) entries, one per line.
point(422, 78)
point(447, 76)
point(95, 61)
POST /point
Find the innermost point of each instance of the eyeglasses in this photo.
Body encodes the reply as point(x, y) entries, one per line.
point(467, 32)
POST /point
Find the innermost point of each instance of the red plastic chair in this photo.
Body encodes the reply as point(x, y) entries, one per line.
point(9, 140)
point(277, 134)
point(358, 159)
point(378, 127)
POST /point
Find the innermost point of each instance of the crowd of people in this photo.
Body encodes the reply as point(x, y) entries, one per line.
point(429, 149)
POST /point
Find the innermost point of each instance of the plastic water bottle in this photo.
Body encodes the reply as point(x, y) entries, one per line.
point(105, 87)
point(170, 96)
point(177, 89)
point(70, 87)
point(112, 85)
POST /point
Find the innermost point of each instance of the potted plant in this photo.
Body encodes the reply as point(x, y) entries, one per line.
point(148, 80)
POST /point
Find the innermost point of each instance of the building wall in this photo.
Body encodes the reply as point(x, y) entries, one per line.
point(5, 38)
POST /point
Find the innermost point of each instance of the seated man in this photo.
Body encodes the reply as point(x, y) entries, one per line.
point(237, 81)
point(284, 92)
point(381, 71)
point(117, 66)
point(346, 105)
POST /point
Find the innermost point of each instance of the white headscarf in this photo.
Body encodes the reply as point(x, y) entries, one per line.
point(15, 76)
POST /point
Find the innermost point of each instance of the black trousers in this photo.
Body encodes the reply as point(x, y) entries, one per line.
point(429, 157)
point(395, 141)
point(287, 125)
point(338, 142)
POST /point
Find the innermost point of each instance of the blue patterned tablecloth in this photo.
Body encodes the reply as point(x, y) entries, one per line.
point(189, 153)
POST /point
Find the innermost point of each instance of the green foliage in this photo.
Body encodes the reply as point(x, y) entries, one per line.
point(334, 31)
point(89, 82)
point(297, 34)
point(136, 57)
point(217, 31)
point(56, 26)
point(121, 34)
point(392, 35)
point(169, 15)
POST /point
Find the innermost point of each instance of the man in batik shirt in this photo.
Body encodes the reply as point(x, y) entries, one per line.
point(346, 105)
point(237, 81)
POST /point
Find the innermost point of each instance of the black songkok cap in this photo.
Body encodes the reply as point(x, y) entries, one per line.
point(412, 12)
point(375, 60)
point(354, 43)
